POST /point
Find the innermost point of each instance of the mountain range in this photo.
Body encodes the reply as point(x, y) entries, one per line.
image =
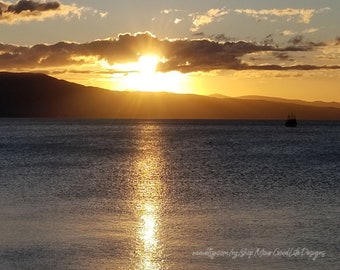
point(282, 100)
point(39, 95)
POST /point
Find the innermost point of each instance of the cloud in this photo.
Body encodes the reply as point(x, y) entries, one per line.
point(182, 55)
point(29, 10)
point(295, 67)
point(124, 48)
point(206, 18)
point(27, 5)
point(337, 41)
point(296, 40)
point(311, 30)
point(168, 11)
point(198, 34)
point(281, 55)
point(292, 33)
point(177, 21)
point(175, 16)
point(300, 15)
point(287, 33)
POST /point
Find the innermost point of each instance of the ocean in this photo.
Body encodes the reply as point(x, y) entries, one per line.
point(169, 194)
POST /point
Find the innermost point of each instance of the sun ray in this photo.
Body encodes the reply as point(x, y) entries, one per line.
point(143, 76)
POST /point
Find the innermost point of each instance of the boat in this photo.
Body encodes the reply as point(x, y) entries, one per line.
point(291, 121)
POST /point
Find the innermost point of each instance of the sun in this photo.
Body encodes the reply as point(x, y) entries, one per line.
point(147, 64)
point(144, 76)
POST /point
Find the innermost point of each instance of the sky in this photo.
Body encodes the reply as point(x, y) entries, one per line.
point(288, 49)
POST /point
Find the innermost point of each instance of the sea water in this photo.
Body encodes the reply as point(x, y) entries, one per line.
point(138, 194)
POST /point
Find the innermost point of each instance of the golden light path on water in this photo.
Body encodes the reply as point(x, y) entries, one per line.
point(148, 198)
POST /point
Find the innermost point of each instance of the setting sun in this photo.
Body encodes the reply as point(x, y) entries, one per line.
point(147, 64)
point(143, 76)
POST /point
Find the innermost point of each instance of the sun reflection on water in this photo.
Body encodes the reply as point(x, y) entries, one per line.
point(148, 199)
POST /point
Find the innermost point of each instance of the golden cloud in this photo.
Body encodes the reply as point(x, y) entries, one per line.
point(179, 55)
point(301, 15)
point(206, 18)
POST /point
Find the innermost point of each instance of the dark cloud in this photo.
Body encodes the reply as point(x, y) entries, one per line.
point(296, 67)
point(9, 47)
point(203, 55)
point(296, 40)
point(299, 43)
point(30, 10)
point(337, 41)
point(281, 55)
point(181, 55)
point(269, 40)
point(28, 5)
point(198, 34)
point(125, 48)
point(221, 38)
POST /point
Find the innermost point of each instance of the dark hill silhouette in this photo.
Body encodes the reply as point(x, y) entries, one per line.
point(283, 100)
point(295, 101)
point(38, 95)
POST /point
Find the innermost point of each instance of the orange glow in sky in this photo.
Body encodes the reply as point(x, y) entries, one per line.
point(287, 49)
point(143, 76)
